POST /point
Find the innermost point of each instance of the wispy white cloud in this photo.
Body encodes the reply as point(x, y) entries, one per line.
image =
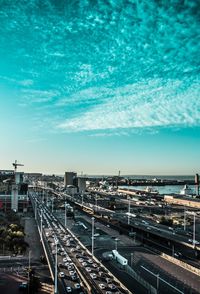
point(26, 83)
point(143, 105)
point(37, 96)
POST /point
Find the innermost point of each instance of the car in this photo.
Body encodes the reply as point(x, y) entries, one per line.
point(60, 264)
point(74, 277)
point(90, 260)
point(177, 254)
point(93, 275)
point(112, 286)
point(61, 274)
point(23, 286)
point(102, 286)
point(77, 286)
point(95, 265)
point(108, 280)
point(84, 263)
point(193, 241)
point(88, 269)
point(68, 289)
point(72, 273)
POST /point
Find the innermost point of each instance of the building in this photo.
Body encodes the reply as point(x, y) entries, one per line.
point(81, 185)
point(196, 180)
point(13, 191)
point(71, 190)
point(69, 178)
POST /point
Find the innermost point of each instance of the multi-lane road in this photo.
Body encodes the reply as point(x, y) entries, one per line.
point(78, 271)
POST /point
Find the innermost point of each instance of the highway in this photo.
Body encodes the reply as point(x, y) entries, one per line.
point(169, 239)
point(78, 271)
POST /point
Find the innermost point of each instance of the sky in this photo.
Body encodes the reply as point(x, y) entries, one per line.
point(98, 86)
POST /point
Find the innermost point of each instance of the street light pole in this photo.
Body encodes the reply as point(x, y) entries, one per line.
point(157, 282)
point(52, 205)
point(56, 266)
point(41, 225)
point(131, 259)
point(82, 199)
point(96, 202)
point(35, 210)
point(194, 241)
point(92, 236)
point(29, 260)
point(184, 219)
point(65, 215)
point(116, 240)
point(29, 268)
point(129, 209)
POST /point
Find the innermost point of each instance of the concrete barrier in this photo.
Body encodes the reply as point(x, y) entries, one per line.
point(181, 263)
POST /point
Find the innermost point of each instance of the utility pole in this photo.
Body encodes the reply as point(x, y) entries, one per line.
point(92, 236)
point(35, 210)
point(65, 214)
point(96, 202)
point(194, 241)
point(157, 282)
point(131, 259)
point(184, 219)
point(41, 224)
point(52, 204)
point(29, 269)
point(116, 240)
point(56, 267)
point(129, 209)
point(82, 199)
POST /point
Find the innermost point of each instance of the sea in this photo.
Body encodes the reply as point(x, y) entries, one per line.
point(168, 189)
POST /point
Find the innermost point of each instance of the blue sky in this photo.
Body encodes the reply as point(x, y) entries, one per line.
point(100, 86)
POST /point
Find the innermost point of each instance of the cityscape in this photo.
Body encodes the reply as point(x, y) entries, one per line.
point(89, 234)
point(99, 149)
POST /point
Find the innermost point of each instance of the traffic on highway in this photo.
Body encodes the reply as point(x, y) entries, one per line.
point(77, 270)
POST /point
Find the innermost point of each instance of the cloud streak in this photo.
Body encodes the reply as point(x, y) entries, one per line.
point(141, 105)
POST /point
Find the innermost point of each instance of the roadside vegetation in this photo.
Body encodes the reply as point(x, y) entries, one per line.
point(11, 235)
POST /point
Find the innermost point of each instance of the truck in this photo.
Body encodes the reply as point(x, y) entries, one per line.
point(119, 258)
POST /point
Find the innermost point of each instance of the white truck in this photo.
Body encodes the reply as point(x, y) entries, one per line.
point(119, 258)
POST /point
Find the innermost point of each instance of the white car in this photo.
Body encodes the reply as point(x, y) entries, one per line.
point(68, 289)
point(195, 241)
point(93, 276)
point(94, 265)
point(112, 286)
point(61, 274)
point(77, 286)
point(102, 286)
point(88, 269)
